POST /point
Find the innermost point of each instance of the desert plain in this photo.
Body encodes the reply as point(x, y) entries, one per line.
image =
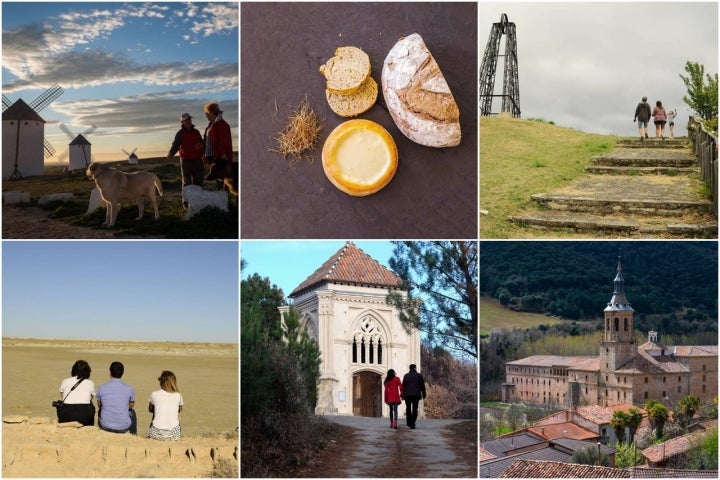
point(207, 375)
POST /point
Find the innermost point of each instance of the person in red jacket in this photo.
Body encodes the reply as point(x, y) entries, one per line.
point(189, 142)
point(393, 396)
point(218, 141)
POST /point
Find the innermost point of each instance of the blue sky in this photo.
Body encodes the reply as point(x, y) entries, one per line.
point(131, 69)
point(137, 290)
point(288, 263)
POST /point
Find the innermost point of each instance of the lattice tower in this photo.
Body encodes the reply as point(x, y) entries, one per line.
point(511, 85)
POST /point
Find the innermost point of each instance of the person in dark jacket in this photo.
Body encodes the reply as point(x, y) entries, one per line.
point(189, 142)
point(642, 115)
point(413, 387)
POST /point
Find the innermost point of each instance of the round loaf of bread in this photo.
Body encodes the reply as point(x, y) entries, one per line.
point(359, 157)
point(346, 71)
point(417, 95)
point(356, 103)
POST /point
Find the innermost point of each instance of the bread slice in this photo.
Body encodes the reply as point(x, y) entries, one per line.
point(418, 96)
point(356, 103)
point(359, 157)
point(346, 71)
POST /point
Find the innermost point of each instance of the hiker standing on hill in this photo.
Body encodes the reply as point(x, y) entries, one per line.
point(658, 114)
point(393, 396)
point(413, 387)
point(642, 115)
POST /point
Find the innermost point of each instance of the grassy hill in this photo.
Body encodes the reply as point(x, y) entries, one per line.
point(521, 157)
point(493, 315)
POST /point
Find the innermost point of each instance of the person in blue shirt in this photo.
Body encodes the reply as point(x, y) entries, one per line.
point(116, 400)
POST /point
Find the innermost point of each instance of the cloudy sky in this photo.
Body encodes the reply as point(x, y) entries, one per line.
point(587, 65)
point(131, 69)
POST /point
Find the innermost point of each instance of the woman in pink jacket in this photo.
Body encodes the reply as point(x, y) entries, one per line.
point(393, 396)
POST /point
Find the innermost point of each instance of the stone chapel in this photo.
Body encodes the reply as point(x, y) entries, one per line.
point(342, 305)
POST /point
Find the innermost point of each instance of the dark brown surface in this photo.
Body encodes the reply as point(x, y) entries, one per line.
point(433, 193)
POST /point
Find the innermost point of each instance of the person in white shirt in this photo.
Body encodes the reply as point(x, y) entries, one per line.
point(76, 395)
point(166, 405)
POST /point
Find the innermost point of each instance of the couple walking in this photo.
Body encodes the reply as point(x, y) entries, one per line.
point(643, 114)
point(116, 402)
point(412, 389)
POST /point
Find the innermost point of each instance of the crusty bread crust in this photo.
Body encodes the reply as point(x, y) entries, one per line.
point(346, 71)
point(356, 103)
point(417, 95)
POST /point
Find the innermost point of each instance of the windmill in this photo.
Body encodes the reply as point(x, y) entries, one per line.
point(26, 148)
point(78, 149)
point(132, 158)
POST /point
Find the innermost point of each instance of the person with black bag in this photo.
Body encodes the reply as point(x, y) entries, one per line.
point(76, 394)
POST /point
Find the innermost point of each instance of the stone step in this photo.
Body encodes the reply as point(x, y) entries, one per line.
point(659, 170)
point(668, 143)
point(615, 225)
point(650, 157)
point(638, 195)
point(633, 206)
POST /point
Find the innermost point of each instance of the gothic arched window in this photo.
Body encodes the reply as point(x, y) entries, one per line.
point(368, 337)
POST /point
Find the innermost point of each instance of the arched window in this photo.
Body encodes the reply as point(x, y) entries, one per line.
point(625, 324)
point(354, 354)
point(368, 337)
point(617, 324)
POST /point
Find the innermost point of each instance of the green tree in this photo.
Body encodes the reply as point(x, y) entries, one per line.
point(687, 408)
point(702, 97)
point(443, 296)
point(634, 420)
point(658, 415)
point(704, 455)
point(266, 297)
point(619, 423)
point(513, 416)
point(307, 354)
point(589, 456)
point(627, 455)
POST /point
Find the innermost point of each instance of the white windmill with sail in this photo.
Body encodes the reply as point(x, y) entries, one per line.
point(24, 146)
point(79, 148)
point(132, 158)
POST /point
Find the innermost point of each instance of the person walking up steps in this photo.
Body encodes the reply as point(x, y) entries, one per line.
point(393, 396)
point(658, 114)
point(642, 115)
point(413, 387)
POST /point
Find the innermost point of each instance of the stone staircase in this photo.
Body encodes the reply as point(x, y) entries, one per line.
point(644, 189)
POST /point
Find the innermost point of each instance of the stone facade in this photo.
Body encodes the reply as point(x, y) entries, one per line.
point(343, 307)
point(622, 373)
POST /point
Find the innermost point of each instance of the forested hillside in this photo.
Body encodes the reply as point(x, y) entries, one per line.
point(671, 285)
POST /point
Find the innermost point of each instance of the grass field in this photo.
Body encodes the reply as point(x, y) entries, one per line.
point(519, 158)
point(213, 223)
point(493, 315)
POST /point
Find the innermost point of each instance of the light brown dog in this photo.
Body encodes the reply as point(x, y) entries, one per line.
point(116, 186)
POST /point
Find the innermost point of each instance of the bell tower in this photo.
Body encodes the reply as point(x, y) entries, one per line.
point(618, 345)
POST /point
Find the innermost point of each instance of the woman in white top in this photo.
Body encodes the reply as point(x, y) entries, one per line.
point(165, 405)
point(76, 394)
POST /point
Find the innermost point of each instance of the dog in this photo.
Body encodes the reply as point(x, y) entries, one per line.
point(227, 171)
point(116, 186)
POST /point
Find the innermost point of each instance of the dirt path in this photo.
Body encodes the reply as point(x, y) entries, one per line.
point(32, 223)
point(372, 449)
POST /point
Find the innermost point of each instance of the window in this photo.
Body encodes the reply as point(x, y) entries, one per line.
point(625, 323)
point(703, 368)
point(678, 379)
point(645, 394)
point(664, 394)
point(703, 389)
point(646, 379)
point(617, 324)
point(663, 379)
point(703, 377)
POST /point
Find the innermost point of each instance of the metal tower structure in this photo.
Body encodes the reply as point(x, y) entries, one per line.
point(511, 85)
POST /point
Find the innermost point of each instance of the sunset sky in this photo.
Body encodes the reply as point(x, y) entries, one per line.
point(131, 69)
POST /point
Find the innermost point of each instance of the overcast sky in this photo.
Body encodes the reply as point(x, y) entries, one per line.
point(136, 290)
point(131, 69)
point(587, 65)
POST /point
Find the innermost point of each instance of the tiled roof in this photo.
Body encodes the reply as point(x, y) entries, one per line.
point(546, 469)
point(591, 365)
point(551, 361)
point(507, 443)
point(575, 445)
point(495, 468)
point(675, 446)
point(600, 415)
point(353, 266)
point(696, 350)
point(485, 455)
point(644, 362)
point(21, 111)
point(642, 472)
point(565, 429)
